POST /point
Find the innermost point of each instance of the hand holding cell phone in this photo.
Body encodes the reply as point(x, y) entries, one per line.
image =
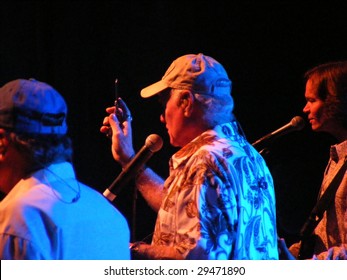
point(117, 110)
point(121, 110)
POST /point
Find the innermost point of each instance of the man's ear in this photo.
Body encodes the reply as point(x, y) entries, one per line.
point(186, 102)
point(3, 145)
point(3, 148)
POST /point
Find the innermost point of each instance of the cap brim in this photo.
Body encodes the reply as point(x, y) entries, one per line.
point(154, 89)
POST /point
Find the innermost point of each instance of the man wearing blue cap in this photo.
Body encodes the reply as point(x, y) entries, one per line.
point(218, 201)
point(47, 213)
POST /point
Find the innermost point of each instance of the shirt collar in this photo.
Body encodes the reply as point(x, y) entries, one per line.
point(64, 169)
point(338, 151)
point(225, 130)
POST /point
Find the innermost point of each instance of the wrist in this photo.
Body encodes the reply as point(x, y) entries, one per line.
point(125, 163)
point(139, 171)
point(138, 250)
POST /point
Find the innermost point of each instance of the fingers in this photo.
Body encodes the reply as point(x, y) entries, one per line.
point(123, 110)
point(124, 107)
point(112, 124)
point(127, 127)
point(118, 130)
point(110, 110)
point(105, 128)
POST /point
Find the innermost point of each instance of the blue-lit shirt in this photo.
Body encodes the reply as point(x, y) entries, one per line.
point(50, 215)
point(219, 200)
point(332, 229)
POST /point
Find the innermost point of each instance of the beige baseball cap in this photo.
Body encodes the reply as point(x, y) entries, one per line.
point(196, 72)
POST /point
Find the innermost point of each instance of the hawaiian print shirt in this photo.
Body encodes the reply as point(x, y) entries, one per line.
point(332, 229)
point(219, 200)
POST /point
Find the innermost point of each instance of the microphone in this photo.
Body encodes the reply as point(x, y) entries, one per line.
point(297, 123)
point(153, 144)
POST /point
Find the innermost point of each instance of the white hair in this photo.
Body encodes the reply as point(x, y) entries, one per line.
point(216, 108)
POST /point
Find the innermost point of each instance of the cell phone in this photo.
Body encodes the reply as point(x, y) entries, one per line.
point(117, 112)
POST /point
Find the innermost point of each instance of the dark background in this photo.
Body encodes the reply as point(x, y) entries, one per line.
point(80, 47)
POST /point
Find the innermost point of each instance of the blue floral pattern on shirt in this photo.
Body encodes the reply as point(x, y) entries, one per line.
point(219, 200)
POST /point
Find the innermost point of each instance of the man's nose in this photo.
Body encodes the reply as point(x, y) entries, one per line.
point(162, 118)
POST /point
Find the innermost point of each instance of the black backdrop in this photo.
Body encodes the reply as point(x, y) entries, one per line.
point(80, 47)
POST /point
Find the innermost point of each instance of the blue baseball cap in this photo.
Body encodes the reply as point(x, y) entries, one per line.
point(31, 106)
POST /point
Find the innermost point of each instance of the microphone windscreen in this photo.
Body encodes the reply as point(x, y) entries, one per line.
point(154, 142)
point(298, 123)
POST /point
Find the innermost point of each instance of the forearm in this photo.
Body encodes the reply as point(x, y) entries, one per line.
point(150, 185)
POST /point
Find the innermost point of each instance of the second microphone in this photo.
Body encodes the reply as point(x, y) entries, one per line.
point(153, 144)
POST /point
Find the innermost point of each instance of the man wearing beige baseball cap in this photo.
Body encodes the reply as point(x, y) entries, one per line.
point(218, 201)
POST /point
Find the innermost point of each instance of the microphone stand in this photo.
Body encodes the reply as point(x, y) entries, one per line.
point(265, 152)
point(134, 211)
